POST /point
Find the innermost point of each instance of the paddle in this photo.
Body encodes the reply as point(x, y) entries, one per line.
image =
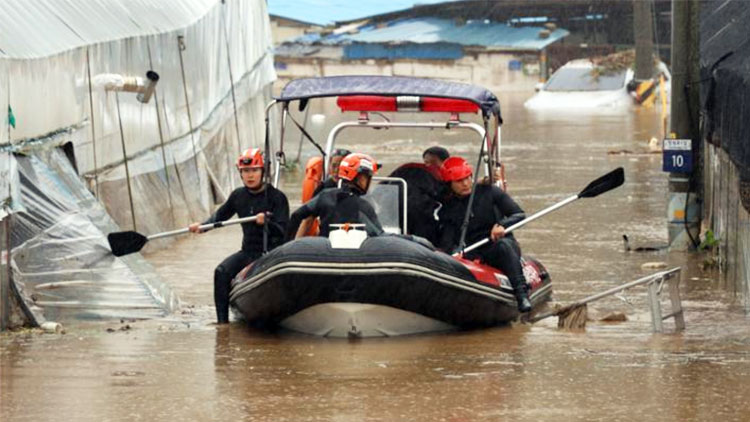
point(603, 184)
point(123, 243)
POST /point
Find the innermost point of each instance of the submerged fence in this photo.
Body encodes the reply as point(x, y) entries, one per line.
point(729, 220)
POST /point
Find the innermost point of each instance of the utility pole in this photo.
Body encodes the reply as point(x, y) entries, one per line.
point(643, 20)
point(684, 209)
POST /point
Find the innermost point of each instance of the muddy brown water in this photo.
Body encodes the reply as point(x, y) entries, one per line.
point(185, 368)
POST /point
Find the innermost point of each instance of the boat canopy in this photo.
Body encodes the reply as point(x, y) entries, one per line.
point(334, 86)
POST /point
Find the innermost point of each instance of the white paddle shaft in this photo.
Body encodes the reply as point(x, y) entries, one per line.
point(521, 223)
point(203, 227)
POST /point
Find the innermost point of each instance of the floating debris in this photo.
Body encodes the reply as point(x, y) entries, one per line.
point(574, 318)
point(657, 265)
point(628, 248)
point(614, 317)
point(51, 327)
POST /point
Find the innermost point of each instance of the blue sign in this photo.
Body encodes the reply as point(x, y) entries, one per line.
point(677, 156)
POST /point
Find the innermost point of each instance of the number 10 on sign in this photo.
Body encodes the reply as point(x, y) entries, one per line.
point(677, 156)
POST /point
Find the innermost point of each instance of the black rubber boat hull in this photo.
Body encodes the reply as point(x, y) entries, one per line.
point(387, 270)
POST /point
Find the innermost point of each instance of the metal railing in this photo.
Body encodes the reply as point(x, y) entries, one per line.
point(655, 284)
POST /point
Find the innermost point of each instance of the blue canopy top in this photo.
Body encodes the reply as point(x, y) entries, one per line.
point(334, 86)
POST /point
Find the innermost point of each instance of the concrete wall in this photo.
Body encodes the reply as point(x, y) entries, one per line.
point(729, 220)
point(285, 30)
point(488, 69)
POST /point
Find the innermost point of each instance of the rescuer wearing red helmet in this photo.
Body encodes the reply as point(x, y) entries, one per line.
point(344, 204)
point(492, 211)
point(254, 198)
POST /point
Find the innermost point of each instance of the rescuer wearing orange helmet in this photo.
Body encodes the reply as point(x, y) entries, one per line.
point(254, 198)
point(344, 204)
point(332, 180)
point(492, 211)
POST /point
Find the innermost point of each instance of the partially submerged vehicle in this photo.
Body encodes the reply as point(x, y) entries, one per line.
point(583, 84)
point(349, 284)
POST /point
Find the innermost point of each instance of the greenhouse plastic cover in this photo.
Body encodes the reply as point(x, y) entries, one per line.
point(62, 265)
point(63, 25)
point(47, 50)
point(725, 83)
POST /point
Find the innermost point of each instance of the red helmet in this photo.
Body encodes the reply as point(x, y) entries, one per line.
point(252, 158)
point(356, 163)
point(455, 168)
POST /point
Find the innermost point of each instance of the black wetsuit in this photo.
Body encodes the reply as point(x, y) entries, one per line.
point(424, 195)
point(337, 206)
point(243, 202)
point(327, 184)
point(491, 206)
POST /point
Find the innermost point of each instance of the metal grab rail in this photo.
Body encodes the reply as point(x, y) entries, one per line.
point(673, 276)
point(654, 282)
point(331, 141)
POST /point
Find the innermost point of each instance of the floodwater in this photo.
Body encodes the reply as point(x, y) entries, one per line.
point(186, 368)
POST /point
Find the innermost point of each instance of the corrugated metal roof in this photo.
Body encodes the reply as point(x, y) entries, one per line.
point(326, 12)
point(434, 51)
point(40, 28)
point(472, 33)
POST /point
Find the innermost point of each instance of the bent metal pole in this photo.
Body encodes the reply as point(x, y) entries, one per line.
point(125, 160)
point(161, 142)
point(180, 48)
point(475, 181)
point(231, 77)
point(93, 127)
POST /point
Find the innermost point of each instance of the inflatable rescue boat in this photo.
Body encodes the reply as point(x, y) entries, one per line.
point(352, 285)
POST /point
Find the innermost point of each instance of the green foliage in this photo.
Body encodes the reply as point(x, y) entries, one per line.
point(11, 117)
point(291, 166)
point(708, 244)
point(709, 241)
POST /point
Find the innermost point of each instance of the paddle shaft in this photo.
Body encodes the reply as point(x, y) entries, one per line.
point(522, 222)
point(203, 227)
point(602, 184)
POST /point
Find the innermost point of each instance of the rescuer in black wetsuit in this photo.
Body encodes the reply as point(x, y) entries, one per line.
point(435, 155)
point(344, 204)
point(492, 211)
point(332, 181)
point(256, 198)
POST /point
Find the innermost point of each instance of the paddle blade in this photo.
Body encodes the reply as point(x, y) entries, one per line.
point(603, 184)
point(123, 243)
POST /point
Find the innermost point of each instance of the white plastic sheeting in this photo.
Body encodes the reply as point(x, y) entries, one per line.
point(48, 49)
point(51, 93)
point(4, 111)
point(60, 25)
point(61, 261)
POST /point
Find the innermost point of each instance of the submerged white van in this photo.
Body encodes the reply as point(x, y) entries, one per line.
point(576, 85)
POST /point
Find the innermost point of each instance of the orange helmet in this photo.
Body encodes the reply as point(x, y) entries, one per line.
point(252, 158)
point(356, 163)
point(455, 168)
